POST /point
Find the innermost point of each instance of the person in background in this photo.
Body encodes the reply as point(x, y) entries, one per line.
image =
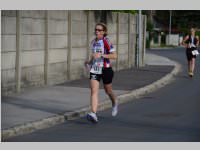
point(191, 43)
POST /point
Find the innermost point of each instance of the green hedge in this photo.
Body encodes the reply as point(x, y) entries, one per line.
point(198, 33)
point(126, 11)
point(147, 43)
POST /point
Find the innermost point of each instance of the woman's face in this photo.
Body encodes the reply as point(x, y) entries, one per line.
point(99, 31)
point(192, 31)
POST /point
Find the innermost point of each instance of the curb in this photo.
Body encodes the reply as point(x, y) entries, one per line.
point(57, 119)
point(155, 48)
point(31, 127)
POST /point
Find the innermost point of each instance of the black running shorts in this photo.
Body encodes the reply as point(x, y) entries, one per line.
point(107, 76)
point(189, 54)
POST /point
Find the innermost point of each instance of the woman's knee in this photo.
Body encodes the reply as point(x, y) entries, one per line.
point(193, 61)
point(108, 91)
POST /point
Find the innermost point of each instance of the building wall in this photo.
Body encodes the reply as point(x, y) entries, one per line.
point(173, 39)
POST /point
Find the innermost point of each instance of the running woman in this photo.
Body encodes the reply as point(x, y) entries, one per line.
point(191, 43)
point(102, 52)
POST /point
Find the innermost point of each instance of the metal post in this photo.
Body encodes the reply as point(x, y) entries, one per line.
point(170, 20)
point(144, 39)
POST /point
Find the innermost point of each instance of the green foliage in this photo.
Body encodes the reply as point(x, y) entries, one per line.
point(185, 31)
point(149, 26)
point(127, 11)
point(198, 33)
point(147, 43)
point(182, 20)
point(102, 15)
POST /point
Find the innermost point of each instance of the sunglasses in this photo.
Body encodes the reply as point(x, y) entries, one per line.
point(98, 30)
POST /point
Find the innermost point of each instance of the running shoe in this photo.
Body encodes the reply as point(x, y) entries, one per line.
point(92, 117)
point(191, 74)
point(114, 110)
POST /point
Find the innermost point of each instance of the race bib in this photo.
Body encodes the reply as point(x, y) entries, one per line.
point(195, 52)
point(97, 68)
point(97, 64)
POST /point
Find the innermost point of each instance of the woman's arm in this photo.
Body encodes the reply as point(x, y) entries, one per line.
point(184, 40)
point(197, 40)
point(90, 59)
point(112, 55)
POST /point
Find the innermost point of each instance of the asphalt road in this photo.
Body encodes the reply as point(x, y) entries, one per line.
point(171, 114)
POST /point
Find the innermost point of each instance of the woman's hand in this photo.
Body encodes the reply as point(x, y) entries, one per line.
point(112, 55)
point(86, 62)
point(96, 55)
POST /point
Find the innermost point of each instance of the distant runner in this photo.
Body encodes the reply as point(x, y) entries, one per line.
point(191, 43)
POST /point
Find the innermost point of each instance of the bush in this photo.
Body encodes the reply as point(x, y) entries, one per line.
point(149, 26)
point(147, 43)
point(198, 33)
point(126, 11)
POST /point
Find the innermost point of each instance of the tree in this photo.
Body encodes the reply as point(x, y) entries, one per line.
point(102, 15)
point(182, 20)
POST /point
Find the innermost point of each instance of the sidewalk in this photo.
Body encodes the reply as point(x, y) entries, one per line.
point(38, 108)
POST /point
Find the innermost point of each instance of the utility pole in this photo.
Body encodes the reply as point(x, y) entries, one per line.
point(170, 24)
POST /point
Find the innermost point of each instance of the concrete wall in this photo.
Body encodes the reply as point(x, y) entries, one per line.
point(8, 50)
point(172, 39)
point(50, 47)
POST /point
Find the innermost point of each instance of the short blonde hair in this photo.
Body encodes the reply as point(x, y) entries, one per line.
point(192, 29)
